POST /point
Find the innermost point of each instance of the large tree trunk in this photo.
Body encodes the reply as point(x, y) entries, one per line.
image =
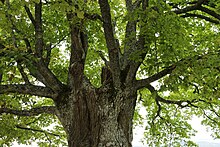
point(97, 117)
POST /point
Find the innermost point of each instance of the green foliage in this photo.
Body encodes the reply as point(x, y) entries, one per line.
point(167, 124)
point(191, 44)
point(18, 126)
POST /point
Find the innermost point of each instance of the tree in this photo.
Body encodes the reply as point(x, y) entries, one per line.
point(83, 66)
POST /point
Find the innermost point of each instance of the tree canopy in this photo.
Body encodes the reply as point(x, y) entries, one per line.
point(167, 50)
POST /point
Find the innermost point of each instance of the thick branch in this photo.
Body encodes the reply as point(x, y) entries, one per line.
point(79, 46)
point(31, 112)
point(198, 6)
point(210, 12)
point(48, 57)
point(190, 8)
point(1, 75)
point(38, 29)
point(113, 47)
point(201, 17)
point(133, 45)
point(27, 89)
point(43, 74)
point(50, 79)
point(186, 9)
point(38, 69)
point(129, 5)
point(142, 83)
point(130, 34)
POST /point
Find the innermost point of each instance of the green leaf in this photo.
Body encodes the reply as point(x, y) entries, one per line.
point(80, 14)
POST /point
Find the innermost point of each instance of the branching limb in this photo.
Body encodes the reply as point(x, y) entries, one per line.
point(186, 9)
point(180, 103)
point(38, 29)
point(31, 112)
point(130, 35)
point(23, 74)
point(27, 89)
point(206, 115)
point(211, 106)
point(189, 8)
point(48, 57)
point(42, 73)
point(158, 112)
point(132, 44)
point(136, 4)
point(28, 45)
point(39, 69)
point(201, 17)
point(113, 48)
point(210, 12)
point(93, 17)
point(1, 75)
point(50, 79)
point(103, 58)
point(142, 83)
point(37, 130)
point(198, 6)
point(60, 40)
point(31, 17)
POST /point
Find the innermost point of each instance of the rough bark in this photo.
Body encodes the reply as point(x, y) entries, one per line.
point(97, 117)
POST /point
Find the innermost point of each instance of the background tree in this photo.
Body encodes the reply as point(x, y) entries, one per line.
point(76, 69)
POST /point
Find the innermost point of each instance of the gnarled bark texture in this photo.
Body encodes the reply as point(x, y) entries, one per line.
point(97, 117)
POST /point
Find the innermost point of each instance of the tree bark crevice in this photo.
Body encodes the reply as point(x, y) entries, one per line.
point(97, 118)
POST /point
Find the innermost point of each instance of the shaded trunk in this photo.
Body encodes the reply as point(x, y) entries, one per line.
point(97, 117)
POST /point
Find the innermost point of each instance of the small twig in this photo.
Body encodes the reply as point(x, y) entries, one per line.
point(30, 15)
point(1, 75)
point(180, 103)
point(103, 58)
point(48, 49)
point(23, 74)
point(201, 17)
point(36, 130)
point(31, 112)
point(158, 112)
point(50, 142)
point(62, 39)
point(93, 17)
point(209, 117)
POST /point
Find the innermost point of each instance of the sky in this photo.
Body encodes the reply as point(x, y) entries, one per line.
point(202, 138)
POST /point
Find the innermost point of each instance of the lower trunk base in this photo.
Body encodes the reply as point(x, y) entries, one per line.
point(93, 119)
